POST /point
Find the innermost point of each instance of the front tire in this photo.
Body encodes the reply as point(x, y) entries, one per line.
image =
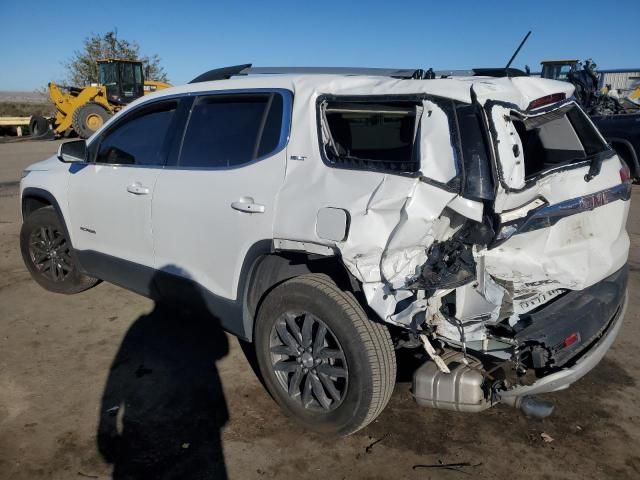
point(321, 358)
point(47, 254)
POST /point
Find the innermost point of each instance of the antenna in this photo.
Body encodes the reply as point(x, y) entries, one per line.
point(515, 54)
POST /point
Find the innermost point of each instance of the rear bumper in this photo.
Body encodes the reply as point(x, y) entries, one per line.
point(565, 377)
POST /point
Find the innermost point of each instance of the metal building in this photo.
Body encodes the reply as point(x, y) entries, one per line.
point(620, 79)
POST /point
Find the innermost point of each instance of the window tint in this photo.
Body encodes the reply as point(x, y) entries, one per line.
point(371, 136)
point(229, 130)
point(139, 140)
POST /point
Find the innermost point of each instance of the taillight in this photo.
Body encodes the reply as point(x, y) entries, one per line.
point(625, 173)
point(546, 100)
point(571, 339)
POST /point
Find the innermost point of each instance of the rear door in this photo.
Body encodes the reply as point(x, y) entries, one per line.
point(562, 200)
point(218, 198)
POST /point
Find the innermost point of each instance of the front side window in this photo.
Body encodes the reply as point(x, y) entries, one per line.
point(230, 130)
point(140, 138)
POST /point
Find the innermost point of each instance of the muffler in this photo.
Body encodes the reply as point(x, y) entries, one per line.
point(461, 390)
point(464, 389)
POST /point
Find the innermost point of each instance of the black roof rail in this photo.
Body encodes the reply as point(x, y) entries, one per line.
point(499, 72)
point(221, 73)
point(402, 73)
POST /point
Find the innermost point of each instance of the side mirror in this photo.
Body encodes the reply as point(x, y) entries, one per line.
point(73, 152)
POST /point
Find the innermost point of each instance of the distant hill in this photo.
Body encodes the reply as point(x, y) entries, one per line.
point(24, 104)
point(23, 97)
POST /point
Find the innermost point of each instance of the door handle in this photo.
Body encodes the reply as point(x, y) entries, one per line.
point(138, 189)
point(246, 204)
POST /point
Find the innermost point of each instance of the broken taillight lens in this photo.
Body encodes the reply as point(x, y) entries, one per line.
point(546, 100)
point(625, 174)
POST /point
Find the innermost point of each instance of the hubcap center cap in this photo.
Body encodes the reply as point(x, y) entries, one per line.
point(307, 360)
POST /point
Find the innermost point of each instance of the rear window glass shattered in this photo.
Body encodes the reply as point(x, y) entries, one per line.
point(557, 138)
point(371, 136)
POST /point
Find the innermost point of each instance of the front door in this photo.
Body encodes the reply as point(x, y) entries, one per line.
point(110, 196)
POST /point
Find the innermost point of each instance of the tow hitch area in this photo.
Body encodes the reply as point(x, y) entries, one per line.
point(468, 382)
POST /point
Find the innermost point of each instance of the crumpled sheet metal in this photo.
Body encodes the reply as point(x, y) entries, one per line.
point(392, 217)
point(409, 232)
point(508, 139)
point(395, 219)
point(575, 253)
point(437, 155)
point(388, 237)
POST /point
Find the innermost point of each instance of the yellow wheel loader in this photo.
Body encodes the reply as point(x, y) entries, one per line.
point(85, 109)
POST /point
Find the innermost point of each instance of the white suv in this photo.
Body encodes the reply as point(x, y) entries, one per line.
point(332, 217)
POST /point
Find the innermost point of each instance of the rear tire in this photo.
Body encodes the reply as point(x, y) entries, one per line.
point(323, 361)
point(88, 118)
point(48, 254)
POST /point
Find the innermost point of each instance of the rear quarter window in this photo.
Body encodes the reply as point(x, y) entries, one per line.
point(370, 135)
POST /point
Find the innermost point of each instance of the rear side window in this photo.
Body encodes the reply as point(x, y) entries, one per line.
point(230, 130)
point(557, 138)
point(371, 136)
point(139, 139)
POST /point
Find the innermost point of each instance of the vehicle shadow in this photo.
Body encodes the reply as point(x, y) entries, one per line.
point(163, 407)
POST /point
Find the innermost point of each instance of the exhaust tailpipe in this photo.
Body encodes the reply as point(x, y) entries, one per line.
point(532, 407)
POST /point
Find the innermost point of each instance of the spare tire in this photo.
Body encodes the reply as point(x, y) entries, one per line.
point(88, 118)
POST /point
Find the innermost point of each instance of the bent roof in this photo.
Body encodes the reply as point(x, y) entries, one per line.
point(520, 90)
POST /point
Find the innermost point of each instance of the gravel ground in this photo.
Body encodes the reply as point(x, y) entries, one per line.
point(193, 407)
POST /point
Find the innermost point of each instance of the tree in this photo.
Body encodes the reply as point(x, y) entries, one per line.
point(83, 68)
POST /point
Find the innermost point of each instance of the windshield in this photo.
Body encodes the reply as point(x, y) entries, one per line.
point(556, 72)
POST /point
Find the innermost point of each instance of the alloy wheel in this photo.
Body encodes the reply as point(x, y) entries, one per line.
point(50, 253)
point(308, 361)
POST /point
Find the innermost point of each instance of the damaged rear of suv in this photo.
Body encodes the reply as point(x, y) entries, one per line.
point(478, 221)
point(492, 234)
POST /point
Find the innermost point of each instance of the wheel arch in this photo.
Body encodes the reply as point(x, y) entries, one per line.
point(32, 203)
point(36, 198)
point(269, 269)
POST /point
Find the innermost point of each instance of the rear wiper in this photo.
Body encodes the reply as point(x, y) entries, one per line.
point(594, 167)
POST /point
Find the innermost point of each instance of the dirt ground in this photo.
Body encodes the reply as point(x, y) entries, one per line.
point(191, 407)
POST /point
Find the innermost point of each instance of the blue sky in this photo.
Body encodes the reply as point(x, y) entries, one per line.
point(192, 37)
